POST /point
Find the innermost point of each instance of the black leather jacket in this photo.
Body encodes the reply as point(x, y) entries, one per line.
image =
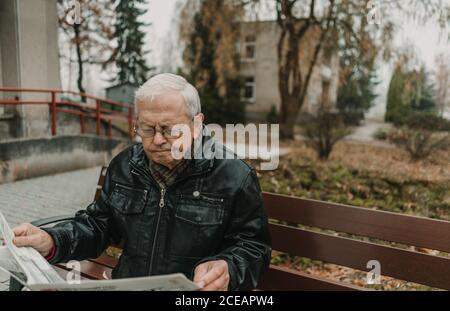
point(214, 210)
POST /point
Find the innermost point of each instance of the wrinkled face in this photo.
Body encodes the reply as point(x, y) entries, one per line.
point(165, 114)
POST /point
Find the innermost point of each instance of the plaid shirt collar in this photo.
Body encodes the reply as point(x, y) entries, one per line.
point(160, 173)
point(165, 176)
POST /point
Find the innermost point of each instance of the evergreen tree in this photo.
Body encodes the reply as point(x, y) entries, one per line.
point(212, 62)
point(423, 98)
point(357, 71)
point(409, 92)
point(397, 101)
point(129, 54)
point(356, 94)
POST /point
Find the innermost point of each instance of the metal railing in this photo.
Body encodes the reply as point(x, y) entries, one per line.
point(94, 107)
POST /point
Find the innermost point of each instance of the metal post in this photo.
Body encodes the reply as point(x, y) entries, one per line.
point(53, 111)
point(97, 102)
point(130, 122)
point(109, 128)
point(82, 122)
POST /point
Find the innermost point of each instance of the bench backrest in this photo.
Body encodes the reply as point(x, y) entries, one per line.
point(401, 261)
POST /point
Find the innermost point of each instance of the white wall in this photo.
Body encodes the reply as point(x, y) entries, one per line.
point(29, 56)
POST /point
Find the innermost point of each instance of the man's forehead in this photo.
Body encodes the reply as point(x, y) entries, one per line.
point(163, 102)
point(163, 108)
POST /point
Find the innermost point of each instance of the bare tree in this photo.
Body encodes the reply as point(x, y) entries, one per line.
point(91, 37)
point(293, 80)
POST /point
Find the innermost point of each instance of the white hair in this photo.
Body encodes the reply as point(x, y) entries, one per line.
point(169, 82)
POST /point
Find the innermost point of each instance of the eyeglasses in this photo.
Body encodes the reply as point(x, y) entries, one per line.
point(150, 131)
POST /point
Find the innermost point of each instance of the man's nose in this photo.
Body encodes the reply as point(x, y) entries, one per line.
point(159, 139)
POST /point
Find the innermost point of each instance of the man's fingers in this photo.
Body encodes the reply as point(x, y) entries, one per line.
point(200, 271)
point(219, 284)
point(20, 230)
point(30, 240)
point(213, 274)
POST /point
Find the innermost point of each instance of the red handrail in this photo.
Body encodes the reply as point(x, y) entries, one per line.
point(84, 110)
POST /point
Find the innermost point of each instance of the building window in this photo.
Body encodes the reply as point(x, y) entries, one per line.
point(249, 48)
point(248, 92)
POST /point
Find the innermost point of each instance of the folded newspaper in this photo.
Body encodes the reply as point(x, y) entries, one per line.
point(38, 274)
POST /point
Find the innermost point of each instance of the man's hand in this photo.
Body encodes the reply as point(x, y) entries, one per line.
point(29, 235)
point(212, 275)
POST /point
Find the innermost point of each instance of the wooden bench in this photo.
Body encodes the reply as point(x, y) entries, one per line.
point(314, 240)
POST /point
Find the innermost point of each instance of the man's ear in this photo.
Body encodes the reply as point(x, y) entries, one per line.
point(198, 125)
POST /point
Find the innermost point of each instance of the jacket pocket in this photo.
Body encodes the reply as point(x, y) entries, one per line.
point(127, 200)
point(197, 227)
point(130, 217)
point(201, 210)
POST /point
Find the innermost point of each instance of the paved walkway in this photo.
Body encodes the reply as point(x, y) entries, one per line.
point(31, 199)
point(365, 132)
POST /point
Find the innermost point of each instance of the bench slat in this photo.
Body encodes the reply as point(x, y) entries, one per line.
point(411, 230)
point(398, 263)
point(284, 279)
point(105, 260)
point(91, 270)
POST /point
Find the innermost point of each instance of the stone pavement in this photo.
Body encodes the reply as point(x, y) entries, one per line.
point(31, 199)
point(60, 194)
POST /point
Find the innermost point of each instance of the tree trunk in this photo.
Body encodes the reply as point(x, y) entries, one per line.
point(292, 83)
point(79, 60)
point(288, 116)
point(289, 82)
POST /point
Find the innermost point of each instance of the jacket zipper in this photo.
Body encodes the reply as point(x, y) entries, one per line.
point(163, 192)
point(161, 206)
point(138, 171)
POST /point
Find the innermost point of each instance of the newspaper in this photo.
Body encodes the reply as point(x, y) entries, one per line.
point(40, 275)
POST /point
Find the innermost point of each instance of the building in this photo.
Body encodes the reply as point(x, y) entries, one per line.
point(259, 66)
point(122, 92)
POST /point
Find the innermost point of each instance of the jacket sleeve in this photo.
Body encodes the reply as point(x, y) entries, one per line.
point(247, 244)
point(89, 233)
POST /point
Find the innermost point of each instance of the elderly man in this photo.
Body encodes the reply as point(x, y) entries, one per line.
point(202, 216)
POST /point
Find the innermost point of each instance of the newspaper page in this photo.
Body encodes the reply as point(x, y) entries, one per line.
point(36, 269)
point(167, 282)
point(40, 275)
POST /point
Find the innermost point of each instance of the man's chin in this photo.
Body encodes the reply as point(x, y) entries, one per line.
point(162, 157)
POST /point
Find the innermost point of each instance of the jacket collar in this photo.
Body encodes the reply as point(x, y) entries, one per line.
point(202, 162)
